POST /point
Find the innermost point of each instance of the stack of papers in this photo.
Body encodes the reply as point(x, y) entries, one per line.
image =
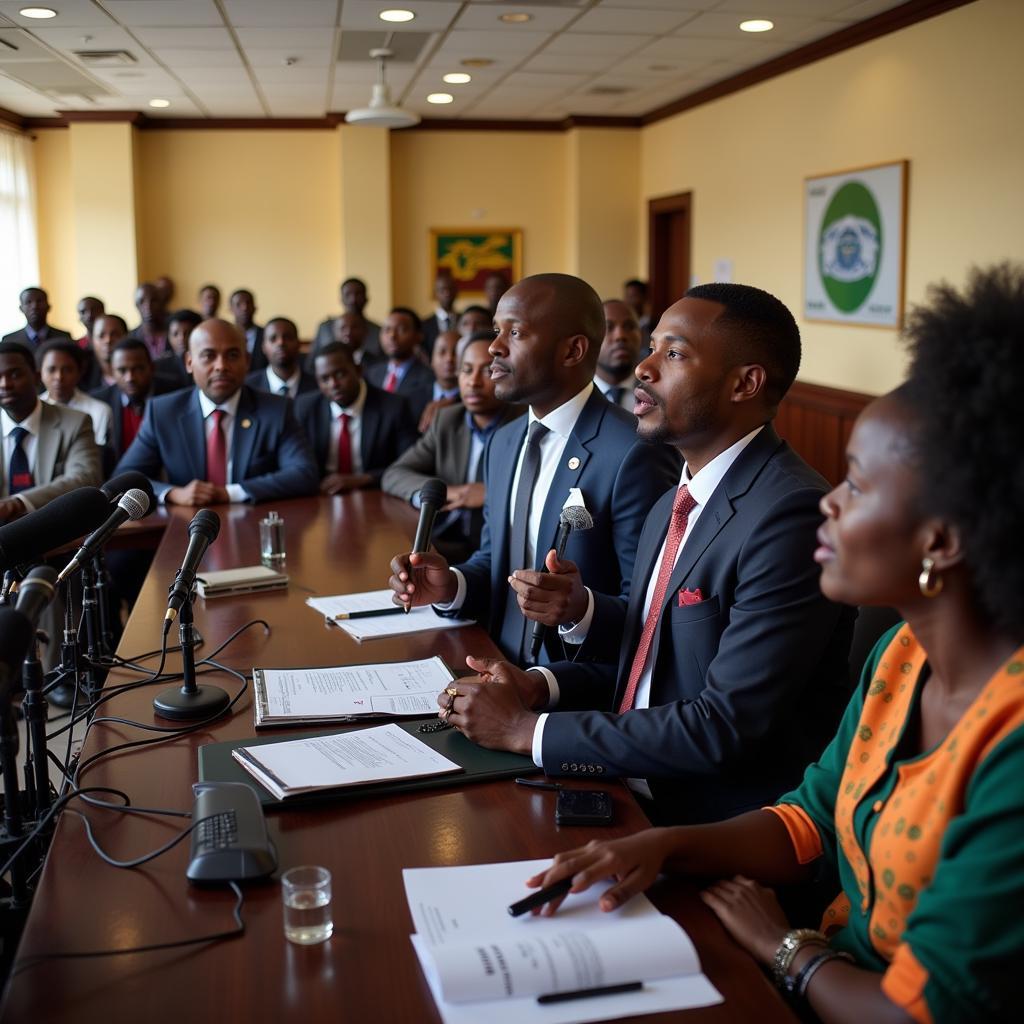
point(248, 580)
point(482, 964)
point(391, 620)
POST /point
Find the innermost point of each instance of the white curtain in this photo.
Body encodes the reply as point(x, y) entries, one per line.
point(19, 253)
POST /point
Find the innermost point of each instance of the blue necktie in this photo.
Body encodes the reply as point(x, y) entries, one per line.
point(20, 475)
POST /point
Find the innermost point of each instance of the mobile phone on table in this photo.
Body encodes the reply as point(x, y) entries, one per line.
point(583, 807)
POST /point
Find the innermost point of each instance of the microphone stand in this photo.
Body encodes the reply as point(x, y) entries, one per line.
point(190, 700)
point(62, 692)
point(37, 778)
point(93, 676)
point(105, 604)
point(19, 897)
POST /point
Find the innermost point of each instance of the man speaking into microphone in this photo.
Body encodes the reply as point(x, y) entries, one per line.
point(549, 330)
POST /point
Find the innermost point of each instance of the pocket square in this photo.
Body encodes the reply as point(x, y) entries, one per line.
point(690, 597)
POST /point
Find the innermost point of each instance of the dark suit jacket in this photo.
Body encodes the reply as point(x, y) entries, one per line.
point(749, 684)
point(620, 477)
point(270, 457)
point(111, 394)
point(442, 452)
point(53, 334)
point(257, 380)
point(417, 386)
point(170, 368)
point(371, 344)
point(387, 429)
point(431, 329)
point(257, 360)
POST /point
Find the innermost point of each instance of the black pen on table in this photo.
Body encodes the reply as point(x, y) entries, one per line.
point(540, 897)
point(590, 993)
point(368, 614)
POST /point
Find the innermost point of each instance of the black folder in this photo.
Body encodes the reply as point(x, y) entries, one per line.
point(480, 765)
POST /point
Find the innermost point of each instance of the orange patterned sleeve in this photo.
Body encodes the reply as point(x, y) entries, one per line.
point(803, 833)
point(904, 981)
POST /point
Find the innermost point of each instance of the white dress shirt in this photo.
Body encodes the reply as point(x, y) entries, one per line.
point(29, 443)
point(236, 492)
point(355, 431)
point(275, 383)
point(97, 411)
point(626, 399)
point(560, 423)
point(702, 485)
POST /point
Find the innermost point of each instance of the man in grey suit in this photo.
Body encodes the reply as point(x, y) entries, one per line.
point(47, 449)
point(404, 373)
point(452, 450)
point(35, 305)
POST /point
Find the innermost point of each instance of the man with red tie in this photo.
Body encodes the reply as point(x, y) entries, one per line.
point(221, 441)
point(357, 430)
point(726, 671)
point(404, 373)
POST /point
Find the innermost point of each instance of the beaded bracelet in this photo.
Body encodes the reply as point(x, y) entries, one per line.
point(791, 944)
point(809, 969)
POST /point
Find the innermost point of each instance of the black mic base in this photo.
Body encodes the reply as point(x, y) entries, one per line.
point(177, 703)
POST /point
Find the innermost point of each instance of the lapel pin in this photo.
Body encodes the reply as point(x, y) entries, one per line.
point(246, 424)
point(574, 463)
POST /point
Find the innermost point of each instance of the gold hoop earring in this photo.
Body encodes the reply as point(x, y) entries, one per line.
point(929, 582)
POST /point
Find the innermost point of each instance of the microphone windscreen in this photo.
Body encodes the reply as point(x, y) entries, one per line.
point(577, 517)
point(59, 521)
point(123, 482)
point(434, 492)
point(205, 522)
point(135, 502)
point(15, 636)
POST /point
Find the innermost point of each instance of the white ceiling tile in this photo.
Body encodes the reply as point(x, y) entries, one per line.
point(164, 13)
point(362, 15)
point(278, 57)
point(71, 14)
point(540, 80)
point(25, 47)
point(669, 68)
point(480, 76)
point(199, 76)
point(492, 44)
point(503, 109)
point(295, 92)
point(807, 8)
point(364, 73)
point(543, 19)
point(602, 19)
point(145, 80)
point(181, 106)
point(589, 44)
point(568, 64)
point(661, 5)
point(297, 74)
point(232, 108)
point(866, 9)
point(186, 38)
point(678, 48)
point(175, 58)
point(275, 38)
point(105, 38)
point(252, 13)
point(726, 25)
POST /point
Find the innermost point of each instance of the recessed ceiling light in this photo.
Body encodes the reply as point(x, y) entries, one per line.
point(160, 104)
point(757, 25)
point(457, 78)
point(476, 62)
point(440, 97)
point(516, 18)
point(396, 15)
point(42, 13)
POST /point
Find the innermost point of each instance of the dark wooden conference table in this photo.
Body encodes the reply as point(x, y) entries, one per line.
point(368, 970)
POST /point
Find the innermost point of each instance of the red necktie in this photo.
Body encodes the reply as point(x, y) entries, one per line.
point(344, 446)
point(391, 380)
point(217, 451)
point(131, 420)
point(681, 509)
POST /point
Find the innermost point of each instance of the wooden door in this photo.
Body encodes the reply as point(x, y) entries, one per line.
point(669, 251)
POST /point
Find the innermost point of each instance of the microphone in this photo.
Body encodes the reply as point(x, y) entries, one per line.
point(16, 635)
point(36, 591)
point(57, 522)
point(202, 532)
point(573, 517)
point(118, 485)
point(433, 495)
point(133, 505)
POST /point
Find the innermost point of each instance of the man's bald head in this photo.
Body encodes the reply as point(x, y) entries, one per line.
point(217, 358)
point(568, 304)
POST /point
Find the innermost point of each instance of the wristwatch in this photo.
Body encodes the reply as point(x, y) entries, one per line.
point(792, 942)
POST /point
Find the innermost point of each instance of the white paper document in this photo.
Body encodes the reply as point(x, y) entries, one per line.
point(289, 696)
point(482, 964)
point(377, 627)
point(381, 754)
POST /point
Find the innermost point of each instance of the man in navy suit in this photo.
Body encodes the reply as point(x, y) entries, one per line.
point(283, 374)
point(404, 373)
point(243, 308)
point(221, 441)
point(574, 445)
point(731, 667)
point(357, 430)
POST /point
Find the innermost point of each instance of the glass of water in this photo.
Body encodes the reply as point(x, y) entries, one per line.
point(306, 893)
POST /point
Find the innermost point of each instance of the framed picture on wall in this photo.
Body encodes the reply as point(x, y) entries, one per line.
point(855, 227)
point(470, 255)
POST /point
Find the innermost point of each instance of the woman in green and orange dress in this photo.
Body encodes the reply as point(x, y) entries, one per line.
point(918, 802)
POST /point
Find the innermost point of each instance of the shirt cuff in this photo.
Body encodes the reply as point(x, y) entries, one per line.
point(460, 594)
point(553, 692)
point(577, 632)
point(537, 749)
point(237, 493)
point(25, 503)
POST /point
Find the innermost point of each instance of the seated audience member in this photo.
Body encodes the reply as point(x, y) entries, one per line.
point(152, 328)
point(452, 450)
point(107, 331)
point(89, 308)
point(135, 384)
point(915, 808)
point(495, 285)
point(404, 372)
point(243, 309)
point(444, 318)
point(170, 367)
point(634, 295)
point(284, 374)
point(353, 301)
point(732, 668)
point(446, 377)
point(350, 329)
point(165, 289)
point(356, 429)
point(473, 319)
point(60, 367)
point(47, 449)
point(619, 353)
point(209, 302)
point(221, 441)
point(573, 444)
point(35, 306)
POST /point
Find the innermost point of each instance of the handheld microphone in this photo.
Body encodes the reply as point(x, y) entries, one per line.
point(133, 505)
point(573, 517)
point(36, 591)
point(118, 485)
point(16, 634)
point(433, 495)
point(57, 522)
point(202, 532)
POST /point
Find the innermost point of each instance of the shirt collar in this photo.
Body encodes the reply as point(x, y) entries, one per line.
point(230, 405)
point(604, 387)
point(483, 433)
point(29, 423)
point(562, 420)
point(354, 410)
point(704, 482)
point(275, 382)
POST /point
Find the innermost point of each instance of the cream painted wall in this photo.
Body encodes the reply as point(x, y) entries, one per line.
point(252, 209)
point(944, 93)
point(55, 224)
point(482, 179)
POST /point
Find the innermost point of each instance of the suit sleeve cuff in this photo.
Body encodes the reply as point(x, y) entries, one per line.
point(577, 633)
point(26, 504)
point(237, 493)
point(537, 750)
point(460, 594)
point(549, 676)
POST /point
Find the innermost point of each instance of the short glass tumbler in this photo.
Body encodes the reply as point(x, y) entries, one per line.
point(306, 894)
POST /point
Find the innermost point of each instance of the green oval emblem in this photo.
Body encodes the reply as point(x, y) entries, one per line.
point(850, 246)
